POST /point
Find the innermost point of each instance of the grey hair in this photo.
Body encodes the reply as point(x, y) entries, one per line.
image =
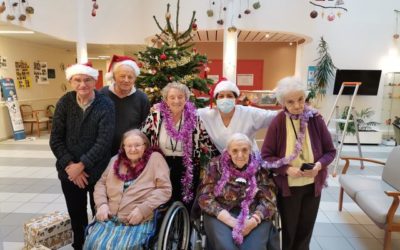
point(238, 137)
point(288, 85)
point(175, 85)
point(137, 132)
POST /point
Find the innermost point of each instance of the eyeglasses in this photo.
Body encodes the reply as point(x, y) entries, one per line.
point(135, 146)
point(85, 81)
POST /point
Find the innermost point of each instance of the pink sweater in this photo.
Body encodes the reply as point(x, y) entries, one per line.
point(150, 189)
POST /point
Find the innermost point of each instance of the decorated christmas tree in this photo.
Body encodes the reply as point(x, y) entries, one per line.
point(173, 58)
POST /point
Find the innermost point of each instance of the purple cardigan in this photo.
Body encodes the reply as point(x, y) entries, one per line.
point(274, 148)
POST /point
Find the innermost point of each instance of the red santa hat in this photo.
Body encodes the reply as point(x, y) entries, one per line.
point(84, 69)
point(117, 61)
point(223, 85)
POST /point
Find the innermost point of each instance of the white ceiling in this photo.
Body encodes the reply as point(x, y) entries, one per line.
point(107, 49)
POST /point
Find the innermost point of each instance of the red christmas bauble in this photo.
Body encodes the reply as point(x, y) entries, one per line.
point(93, 12)
point(194, 26)
point(163, 56)
point(331, 17)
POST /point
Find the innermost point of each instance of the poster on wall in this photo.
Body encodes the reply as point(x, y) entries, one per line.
point(3, 62)
point(40, 72)
point(311, 75)
point(215, 78)
point(22, 72)
point(245, 79)
point(11, 100)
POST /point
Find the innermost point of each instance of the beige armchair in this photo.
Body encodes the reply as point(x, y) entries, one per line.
point(34, 117)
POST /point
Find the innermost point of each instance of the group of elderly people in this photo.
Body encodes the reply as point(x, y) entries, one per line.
point(174, 151)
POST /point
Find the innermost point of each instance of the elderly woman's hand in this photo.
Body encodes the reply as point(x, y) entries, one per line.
point(103, 213)
point(313, 172)
point(249, 225)
point(135, 217)
point(294, 172)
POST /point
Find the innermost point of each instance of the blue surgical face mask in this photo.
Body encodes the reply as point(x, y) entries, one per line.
point(225, 105)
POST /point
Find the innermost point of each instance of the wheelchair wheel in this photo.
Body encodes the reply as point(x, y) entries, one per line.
point(198, 235)
point(175, 228)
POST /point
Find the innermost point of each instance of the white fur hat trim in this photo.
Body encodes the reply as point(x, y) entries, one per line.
point(77, 69)
point(226, 86)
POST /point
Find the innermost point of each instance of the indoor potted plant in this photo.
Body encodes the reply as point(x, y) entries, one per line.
point(366, 127)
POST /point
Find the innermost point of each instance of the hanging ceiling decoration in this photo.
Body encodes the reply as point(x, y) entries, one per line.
point(95, 7)
point(16, 9)
point(396, 31)
point(245, 8)
point(333, 10)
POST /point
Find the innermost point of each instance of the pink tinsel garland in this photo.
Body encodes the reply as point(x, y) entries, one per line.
point(185, 136)
point(304, 117)
point(133, 172)
point(228, 171)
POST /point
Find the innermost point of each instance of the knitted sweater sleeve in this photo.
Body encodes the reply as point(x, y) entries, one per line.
point(58, 135)
point(274, 142)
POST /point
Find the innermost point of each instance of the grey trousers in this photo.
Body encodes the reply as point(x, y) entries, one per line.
point(219, 235)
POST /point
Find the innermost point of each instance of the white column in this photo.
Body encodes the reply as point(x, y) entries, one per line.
point(230, 45)
point(81, 45)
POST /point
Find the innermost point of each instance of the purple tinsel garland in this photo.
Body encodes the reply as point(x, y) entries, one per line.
point(185, 136)
point(228, 171)
point(304, 117)
point(134, 172)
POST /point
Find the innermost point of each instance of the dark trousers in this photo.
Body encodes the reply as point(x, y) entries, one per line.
point(76, 199)
point(298, 214)
point(177, 171)
point(219, 235)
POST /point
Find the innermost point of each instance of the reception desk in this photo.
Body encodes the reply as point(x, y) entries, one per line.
point(264, 99)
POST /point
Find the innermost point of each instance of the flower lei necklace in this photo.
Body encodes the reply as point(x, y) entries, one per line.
point(185, 136)
point(132, 172)
point(304, 117)
point(228, 171)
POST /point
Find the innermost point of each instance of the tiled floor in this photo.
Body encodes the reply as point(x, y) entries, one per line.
point(29, 187)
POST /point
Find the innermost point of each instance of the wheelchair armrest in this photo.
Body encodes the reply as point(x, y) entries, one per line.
point(91, 224)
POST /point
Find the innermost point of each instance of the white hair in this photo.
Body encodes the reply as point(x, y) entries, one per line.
point(175, 85)
point(288, 85)
point(238, 137)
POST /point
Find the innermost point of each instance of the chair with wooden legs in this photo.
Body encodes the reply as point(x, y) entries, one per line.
point(33, 117)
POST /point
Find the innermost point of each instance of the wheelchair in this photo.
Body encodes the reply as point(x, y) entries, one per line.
point(199, 238)
point(171, 228)
point(173, 232)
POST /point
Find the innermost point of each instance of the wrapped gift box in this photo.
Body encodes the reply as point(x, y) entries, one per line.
point(51, 230)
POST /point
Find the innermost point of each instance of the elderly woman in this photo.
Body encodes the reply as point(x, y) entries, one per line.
point(131, 105)
point(174, 126)
point(135, 183)
point(238, 198)
point(299, 148)
point(228, 118)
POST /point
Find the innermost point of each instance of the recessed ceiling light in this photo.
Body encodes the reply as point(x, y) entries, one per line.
point(16, 32)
